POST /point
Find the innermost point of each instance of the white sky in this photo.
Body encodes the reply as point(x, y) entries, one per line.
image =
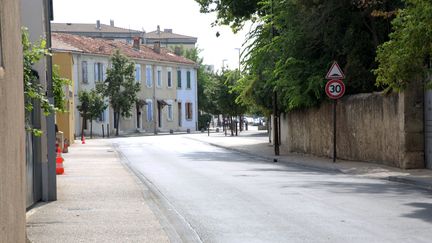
point(182, 16)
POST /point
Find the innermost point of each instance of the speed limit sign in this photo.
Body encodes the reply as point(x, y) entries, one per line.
point(335, 89)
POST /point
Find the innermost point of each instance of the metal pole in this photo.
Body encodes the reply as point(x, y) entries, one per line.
point(334, 130)
point(208, 129)
point(108, 130)
point(103, 131)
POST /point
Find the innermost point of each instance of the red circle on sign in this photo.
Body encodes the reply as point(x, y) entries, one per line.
point(335, 89)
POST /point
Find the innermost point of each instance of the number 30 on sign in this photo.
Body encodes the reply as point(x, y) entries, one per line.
point(335, 89)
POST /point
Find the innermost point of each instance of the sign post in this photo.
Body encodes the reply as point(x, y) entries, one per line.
point(335, 89)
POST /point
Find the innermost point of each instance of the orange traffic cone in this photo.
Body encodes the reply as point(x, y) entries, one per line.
point(59, 162)
point(82, 139)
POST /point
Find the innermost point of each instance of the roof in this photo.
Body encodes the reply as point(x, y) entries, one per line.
point(76, 27)
point(167, 35)
point(76, 43)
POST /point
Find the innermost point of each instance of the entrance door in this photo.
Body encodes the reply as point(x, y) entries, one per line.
point(428, 128)
point(179, 114)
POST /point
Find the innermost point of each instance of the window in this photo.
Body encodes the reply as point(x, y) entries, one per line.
point(188, 80)
point(170, 112)
point(149, 110)
point(189, 111)
point(179, 84)
point(169, 79)
point(159, 77)
point(149, 76)
point(138, 73)
point(99, 71)
point(84, 68)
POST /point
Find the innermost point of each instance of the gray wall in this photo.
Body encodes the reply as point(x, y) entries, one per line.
point(12, 159)
point(370, 127)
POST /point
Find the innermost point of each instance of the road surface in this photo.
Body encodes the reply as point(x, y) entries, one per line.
point(224, 196)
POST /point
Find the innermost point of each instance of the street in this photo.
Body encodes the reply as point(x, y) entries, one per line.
point(226, 196)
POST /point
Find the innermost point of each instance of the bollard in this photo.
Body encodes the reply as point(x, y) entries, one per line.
point(108, 130)
point(103, 131)
point(208, 129)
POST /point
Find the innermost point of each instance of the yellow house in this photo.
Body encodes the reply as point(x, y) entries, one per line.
point(65, 120)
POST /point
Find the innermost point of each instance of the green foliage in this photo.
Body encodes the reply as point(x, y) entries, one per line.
point(402, 58)
point(120, 86)
point(229, 12)
point(59, 84)
point(295, 42)
point(91, 104)
point(223, 95)
point(34, 93)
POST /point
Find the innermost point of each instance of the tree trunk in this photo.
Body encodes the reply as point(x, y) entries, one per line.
point(117, 122)
point(82, 126)
point(91, 128)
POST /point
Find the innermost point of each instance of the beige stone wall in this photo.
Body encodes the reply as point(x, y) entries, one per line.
point(370, 127)
point(12, 151)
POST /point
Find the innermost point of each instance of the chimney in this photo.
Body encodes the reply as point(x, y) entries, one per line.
point(177, 50)
point(98, 25)
point(168, 31)
point(111, 22)
point(136, 42)
point(158, 30)
point(157, 47)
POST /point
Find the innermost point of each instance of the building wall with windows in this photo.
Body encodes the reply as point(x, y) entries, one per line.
point(12, 139)
point(187, 98)
point(155, 71)
point(89, 69)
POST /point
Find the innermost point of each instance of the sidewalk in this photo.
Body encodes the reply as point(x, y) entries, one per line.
point(99, 200)
point(256, 143)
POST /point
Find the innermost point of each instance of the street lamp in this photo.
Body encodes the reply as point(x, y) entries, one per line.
point(239, 55)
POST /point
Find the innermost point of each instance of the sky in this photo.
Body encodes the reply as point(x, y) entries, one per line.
point(183, 16)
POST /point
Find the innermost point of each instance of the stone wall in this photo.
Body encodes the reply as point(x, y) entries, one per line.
point(370, 127)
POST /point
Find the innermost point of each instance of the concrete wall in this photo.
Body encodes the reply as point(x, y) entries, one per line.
point(370, 127)
point(12, 143)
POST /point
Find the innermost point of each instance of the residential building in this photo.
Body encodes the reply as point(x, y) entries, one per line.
point(168, 39)
point(155, 70)
point(97, 30)
point(12, 139)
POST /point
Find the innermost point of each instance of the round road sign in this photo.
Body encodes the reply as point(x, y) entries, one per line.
point(335, 89)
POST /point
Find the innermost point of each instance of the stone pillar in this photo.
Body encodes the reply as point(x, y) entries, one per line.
point(411, 127)
point(12, 136)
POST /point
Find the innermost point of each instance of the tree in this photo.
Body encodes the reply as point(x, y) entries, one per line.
point(120, 87)
point(404, 57)
point(91, 107)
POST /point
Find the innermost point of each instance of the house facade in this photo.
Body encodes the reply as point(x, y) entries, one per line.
point(157, 109)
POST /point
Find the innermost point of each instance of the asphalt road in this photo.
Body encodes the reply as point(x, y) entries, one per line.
point(226, 196)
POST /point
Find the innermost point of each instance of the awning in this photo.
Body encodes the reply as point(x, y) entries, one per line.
point(162, 103)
